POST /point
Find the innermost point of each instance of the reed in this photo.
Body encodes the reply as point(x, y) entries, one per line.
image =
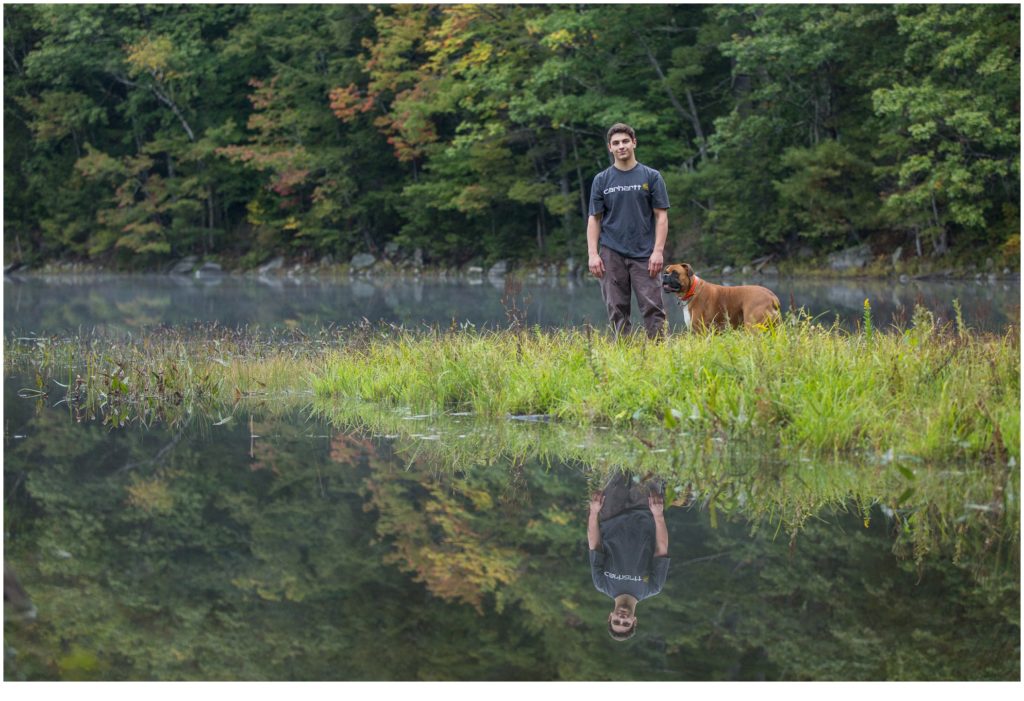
point(940, 395)
point(934, 394)
point(166, 374)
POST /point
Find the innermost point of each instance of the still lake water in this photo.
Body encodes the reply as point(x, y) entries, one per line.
point(264, 541)
point(45, 305)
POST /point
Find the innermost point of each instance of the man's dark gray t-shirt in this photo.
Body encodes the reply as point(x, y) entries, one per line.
point(627, 200)
point(625, 564)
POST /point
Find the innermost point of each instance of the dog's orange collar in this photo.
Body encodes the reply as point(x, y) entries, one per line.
point(692, 290)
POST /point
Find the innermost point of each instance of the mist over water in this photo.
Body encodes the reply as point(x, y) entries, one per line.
point(45, 305)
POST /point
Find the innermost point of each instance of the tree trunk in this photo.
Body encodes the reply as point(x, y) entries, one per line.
point(210, 213)
point(702, 142)
point(563, 183)
point(941, 243)
point(579, 178)
point(690, 116)
point(540, 227)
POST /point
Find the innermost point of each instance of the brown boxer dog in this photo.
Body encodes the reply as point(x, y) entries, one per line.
point(706, 304)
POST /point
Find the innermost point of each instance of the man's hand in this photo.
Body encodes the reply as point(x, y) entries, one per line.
point(655, 263)
point(657, 259)
point(593, 524)
point(656, 503)
point(595, 263)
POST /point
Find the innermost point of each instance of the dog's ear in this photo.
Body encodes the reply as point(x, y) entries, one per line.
point(689, 271)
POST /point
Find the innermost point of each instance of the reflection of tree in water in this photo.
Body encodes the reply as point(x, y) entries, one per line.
point(439, 531)
point(354, 558)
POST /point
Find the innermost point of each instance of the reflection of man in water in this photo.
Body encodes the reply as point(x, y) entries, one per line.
point(628, 547)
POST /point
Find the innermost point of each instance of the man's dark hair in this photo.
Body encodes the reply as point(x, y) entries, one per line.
point(622, 636)
point(620, 128)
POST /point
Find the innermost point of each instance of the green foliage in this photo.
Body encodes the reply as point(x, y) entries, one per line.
point(952, 135)
point(473, 131)
point(826, 193)
point(810, 389)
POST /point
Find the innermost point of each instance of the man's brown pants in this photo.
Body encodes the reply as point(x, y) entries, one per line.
point(623, 494)
point(623, 275)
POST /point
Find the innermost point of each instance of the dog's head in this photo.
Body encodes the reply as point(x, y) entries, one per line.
point(677, 278)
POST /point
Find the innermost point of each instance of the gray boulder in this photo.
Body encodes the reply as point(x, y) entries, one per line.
point(209, 270)
point(499, 269)
point(271, 266)
point(361, 261)
point(856, 257)
point(185, 266)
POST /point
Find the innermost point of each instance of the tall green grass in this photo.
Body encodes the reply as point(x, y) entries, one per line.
point(922, 422)
point(165, 375)
point(940, 395)
point(933, 394)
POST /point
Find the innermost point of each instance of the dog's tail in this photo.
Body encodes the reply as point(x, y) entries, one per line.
point(774, 316)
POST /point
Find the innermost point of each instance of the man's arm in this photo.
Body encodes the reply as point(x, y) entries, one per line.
point(593, 526)
point(657, 259)
point(593, 236)
point(657, 506)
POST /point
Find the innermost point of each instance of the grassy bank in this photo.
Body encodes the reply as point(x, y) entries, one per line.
point(929, 393)
point(922, 424)
point(166, 374)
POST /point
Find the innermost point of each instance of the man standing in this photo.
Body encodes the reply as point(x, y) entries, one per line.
point(626, 234)
point(628, 547)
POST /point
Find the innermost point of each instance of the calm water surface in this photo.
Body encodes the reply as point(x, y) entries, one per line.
point(265, 544)
point(276, 546)
point(45, 305)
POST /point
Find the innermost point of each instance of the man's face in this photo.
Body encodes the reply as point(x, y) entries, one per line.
point(621, 620)
point(622, 146)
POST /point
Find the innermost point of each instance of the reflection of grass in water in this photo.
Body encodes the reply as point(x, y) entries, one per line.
point(924, 423)
point(965, 515)
point(925, 392)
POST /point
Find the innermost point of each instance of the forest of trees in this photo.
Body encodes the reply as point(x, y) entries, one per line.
point(137, 134)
